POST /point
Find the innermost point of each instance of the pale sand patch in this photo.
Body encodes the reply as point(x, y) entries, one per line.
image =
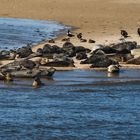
point(5, 62)
point(127, 1)
point(100, 40)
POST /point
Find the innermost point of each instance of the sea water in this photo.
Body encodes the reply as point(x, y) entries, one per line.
point(15, 32)
point(73, 105)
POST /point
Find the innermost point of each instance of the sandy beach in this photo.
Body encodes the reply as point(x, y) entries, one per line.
point(100, 20)
point(95, 18)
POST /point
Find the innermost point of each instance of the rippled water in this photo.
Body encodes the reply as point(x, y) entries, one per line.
point(74, 105)
point(15, 33)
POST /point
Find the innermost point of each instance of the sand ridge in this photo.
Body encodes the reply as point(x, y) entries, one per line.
point(96, 16)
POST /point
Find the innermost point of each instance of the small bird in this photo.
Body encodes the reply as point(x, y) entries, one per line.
point(65, 39)
point(51, 41)
point(138, 31)
point(69, 34)
point(83, 40)
point(91, 41)
point(79, 36)
point(124, 33)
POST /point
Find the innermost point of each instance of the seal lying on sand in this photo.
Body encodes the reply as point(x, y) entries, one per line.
point(32, 73)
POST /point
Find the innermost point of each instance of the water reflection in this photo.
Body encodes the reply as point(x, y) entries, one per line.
point(113, 75)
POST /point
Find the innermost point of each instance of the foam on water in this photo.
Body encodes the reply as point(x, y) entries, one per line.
point(15, 32)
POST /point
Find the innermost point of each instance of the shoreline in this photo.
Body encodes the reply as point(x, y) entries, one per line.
point(87, 45)
point(75, 41)
point(101, 40)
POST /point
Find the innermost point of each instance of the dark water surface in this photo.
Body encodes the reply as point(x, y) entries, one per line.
point(74, 105)
point(15, 32)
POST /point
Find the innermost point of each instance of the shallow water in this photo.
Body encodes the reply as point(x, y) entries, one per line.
point(74, 105)
point(15, 33)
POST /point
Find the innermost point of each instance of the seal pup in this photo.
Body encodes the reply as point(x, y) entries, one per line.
point(69, 34)
point(113, 69)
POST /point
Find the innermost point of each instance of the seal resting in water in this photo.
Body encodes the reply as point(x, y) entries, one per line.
point(37, 82)
point(113, 69)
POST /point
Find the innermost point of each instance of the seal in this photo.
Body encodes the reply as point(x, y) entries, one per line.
point(37, 82)
point(113, 69)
